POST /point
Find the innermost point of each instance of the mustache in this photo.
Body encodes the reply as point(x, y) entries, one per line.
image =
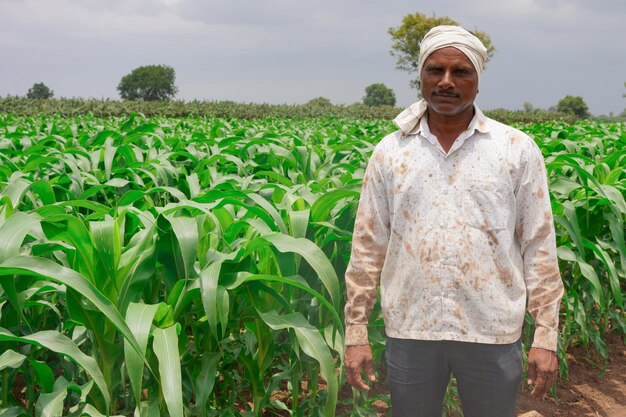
point(445, 93)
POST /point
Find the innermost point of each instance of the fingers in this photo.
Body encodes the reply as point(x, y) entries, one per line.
point(544, 382)
point(540, 387)
point(353, 375)
point(542, 371)
point(356, 359)
point(369, 370)
point(532, 372)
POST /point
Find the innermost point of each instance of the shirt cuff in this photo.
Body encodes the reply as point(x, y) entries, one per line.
point(545, 338)
point(356, 334)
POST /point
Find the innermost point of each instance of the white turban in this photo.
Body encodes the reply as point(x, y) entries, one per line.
point(453, 36)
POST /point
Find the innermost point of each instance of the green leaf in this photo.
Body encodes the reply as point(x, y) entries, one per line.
point(13, 412)
point(90, 410)
point(270, 210)
point(139, 318)
point(45, 377)
point(15, 190)
point(314, 256)
point(59, 343)
point(587, 270)
point(50, 404)
point(108, 249)
point(205, 381)
point(13, 232)
point(323, 205)
point(165, 348)
point(209, 278)
point(186, 232)
point(148, 409)
point(295, 281)
point(44, 268)
point(312, 343)
point(11, 359)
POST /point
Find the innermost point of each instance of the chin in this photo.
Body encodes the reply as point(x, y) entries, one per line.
point(446, 109)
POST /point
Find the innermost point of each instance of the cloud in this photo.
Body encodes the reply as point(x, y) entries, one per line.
point(293, 50)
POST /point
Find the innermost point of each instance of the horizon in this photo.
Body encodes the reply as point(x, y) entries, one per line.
point(289, 52)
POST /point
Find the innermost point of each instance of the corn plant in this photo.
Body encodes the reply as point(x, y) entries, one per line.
point(192, 266)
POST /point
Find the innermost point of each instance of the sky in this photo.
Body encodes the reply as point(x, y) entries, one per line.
point(290, 51)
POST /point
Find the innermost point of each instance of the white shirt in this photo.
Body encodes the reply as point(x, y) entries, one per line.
point(457, 241)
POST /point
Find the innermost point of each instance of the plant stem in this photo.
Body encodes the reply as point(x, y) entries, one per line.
point(5, 388)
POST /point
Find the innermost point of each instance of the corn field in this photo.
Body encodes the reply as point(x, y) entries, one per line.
point(193, 266)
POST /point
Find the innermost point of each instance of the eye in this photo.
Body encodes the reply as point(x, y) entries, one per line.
point(434, 69)
point(463, 72)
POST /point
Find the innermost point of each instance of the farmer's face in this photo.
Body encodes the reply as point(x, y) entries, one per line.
point(449, 82)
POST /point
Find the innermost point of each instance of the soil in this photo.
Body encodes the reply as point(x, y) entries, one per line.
point(590, 391)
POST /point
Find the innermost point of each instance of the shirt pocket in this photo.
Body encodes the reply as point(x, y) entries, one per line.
point(486, 203)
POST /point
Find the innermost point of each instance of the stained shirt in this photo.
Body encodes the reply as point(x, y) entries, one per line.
point(461, 243)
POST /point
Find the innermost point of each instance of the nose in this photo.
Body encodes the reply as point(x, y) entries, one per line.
point(446, 80)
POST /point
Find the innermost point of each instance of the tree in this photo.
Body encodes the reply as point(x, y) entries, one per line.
point(150, 82)
point(379, 95)
point(574, 105)
point(39, 91)
point(624, 112)
point(407, 37)
point(319, 102)
point(528, 106)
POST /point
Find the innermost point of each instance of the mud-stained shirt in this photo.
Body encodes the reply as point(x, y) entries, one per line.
point(460, 243)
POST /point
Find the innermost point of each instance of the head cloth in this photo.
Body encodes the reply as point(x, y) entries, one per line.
point(455, 36)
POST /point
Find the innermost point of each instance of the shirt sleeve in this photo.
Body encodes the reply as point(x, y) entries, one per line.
point(536, 235)
point(369, 247)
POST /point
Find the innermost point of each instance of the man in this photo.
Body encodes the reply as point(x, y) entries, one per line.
point(455, 225)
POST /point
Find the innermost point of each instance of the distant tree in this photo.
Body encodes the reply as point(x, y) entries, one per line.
point(39, 91)
point(574, 105)
point(407, 37)
point(319, 102)
point(624, 112)
point(528, 106)
point(150, 82)
point(379, 95)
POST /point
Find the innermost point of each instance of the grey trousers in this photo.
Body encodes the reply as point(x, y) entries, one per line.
point(488, 377)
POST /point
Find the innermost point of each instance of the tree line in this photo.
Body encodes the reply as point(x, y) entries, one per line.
point(157, 82)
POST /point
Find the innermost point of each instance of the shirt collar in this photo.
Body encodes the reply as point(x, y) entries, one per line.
point(408, 121)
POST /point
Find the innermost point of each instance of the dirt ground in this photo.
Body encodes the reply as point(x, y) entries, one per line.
point(587, 393)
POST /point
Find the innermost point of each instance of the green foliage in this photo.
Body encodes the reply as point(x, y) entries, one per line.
point(528, 116)
point(176, 108)
point(190, 266)
point(379, 95)
point(228, 109)
point(150, 82)
point(573, 105)
point(406, 40)
point(180, 266)
point(39, 91)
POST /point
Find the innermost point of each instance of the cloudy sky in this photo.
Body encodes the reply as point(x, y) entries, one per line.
point(290, 51)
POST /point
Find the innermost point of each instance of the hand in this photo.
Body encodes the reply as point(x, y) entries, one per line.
point(355, 359)
point(542, 370)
